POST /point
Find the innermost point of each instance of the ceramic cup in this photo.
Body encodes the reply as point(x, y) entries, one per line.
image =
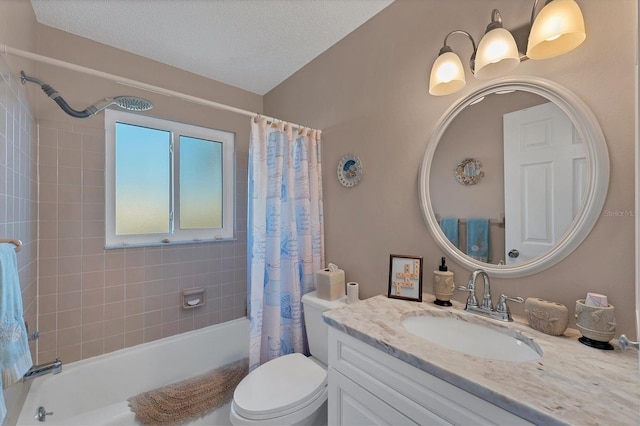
point(595, 322)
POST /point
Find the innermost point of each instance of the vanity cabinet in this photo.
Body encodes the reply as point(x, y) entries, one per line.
point(368, 386)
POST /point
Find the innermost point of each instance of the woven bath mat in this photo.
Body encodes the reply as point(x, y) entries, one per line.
point(186, 400)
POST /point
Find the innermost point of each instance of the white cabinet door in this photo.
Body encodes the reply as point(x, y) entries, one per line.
point(369, 387)
point(352, 405)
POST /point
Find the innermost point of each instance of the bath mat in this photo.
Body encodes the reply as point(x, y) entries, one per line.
point(188, 399)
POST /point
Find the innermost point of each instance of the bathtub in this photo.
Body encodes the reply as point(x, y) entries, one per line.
point(95, 391)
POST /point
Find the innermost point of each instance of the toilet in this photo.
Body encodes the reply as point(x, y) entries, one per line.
point(291, 389)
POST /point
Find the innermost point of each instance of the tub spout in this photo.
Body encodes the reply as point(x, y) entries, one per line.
point(40, 370)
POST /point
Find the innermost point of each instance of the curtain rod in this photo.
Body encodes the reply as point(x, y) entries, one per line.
point(7, 50)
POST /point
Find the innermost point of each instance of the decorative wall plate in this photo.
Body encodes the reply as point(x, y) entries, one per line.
point(469, 171)
point(349, 170)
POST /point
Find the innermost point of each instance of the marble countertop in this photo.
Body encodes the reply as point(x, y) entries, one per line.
point(570, 384)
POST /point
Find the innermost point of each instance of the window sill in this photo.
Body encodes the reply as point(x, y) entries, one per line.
point(164, 244)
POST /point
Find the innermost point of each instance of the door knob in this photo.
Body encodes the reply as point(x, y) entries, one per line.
point(513, 253)
point(42, 414)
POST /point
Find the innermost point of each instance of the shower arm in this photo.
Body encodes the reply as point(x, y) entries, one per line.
point(130, 103)
point(51, 92)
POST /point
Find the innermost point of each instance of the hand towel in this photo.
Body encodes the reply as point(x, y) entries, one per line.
point(449, 226)
point(15, 358)
point(478, 239)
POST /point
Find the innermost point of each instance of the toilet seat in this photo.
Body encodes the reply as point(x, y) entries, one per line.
point(280, 387)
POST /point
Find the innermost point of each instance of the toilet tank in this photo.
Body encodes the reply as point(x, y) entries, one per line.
point(317, 329)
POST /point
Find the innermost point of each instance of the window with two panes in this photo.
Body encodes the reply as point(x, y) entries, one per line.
point(167, 181)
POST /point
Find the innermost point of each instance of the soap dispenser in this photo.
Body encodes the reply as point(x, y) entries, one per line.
point(443, 285)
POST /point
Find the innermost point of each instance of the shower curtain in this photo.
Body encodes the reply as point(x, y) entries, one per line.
point(285, 238)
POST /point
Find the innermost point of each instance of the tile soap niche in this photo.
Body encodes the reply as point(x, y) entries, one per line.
point(193, 298)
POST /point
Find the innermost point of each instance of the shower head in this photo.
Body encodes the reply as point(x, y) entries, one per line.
point(130, 103)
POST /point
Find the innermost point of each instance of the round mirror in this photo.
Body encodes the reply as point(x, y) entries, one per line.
point(544, 166)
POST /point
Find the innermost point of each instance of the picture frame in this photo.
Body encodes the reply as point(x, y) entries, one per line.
point(405, 277)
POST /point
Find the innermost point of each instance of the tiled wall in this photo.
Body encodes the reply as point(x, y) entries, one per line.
point(18, 186)
point(93, 301)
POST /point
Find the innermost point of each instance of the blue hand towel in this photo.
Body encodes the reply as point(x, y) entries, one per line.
point(449, 226)
point(15, 358)
point(478, 239)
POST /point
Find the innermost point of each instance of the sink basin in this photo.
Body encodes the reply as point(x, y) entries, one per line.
point(456, 333)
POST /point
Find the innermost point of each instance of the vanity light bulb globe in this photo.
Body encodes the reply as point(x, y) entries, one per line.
point(497, 54)
point(447, 75)
point(553, 37)
point(496, 51)
point(558, 29)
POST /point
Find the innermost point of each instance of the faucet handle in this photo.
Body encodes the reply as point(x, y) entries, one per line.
point(502, 302)
point(471, 300)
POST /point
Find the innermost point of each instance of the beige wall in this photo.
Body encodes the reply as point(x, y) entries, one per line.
point(369, 94)
point(91, 300)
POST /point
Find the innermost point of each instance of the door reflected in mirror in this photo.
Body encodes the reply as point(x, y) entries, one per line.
point(534, 166)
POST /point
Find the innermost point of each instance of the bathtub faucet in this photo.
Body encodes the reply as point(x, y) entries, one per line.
point(40, 370)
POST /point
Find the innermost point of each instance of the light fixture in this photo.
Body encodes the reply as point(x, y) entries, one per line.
point(447, 73)
point(497, 52)
point(558, 28)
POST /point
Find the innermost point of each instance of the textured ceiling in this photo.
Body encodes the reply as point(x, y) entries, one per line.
point(250, 44)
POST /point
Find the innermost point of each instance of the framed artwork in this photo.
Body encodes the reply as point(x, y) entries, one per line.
point(405, 277)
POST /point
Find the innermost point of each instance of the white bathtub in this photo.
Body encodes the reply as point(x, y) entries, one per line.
point(95, 391)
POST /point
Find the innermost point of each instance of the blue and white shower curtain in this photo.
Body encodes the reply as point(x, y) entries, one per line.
point(285, 235)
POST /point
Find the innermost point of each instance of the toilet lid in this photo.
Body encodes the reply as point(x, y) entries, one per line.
point(279, 387)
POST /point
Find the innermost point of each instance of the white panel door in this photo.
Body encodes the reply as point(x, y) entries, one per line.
point(544, 178)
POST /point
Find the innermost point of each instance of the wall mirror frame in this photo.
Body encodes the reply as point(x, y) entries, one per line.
point(597, 175)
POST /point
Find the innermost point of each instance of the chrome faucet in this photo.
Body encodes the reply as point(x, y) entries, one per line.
point(501, 311)
point(41, 369)
point(486, 289)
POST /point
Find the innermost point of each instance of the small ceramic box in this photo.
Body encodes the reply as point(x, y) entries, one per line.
point(330, 284)
point(547, 317)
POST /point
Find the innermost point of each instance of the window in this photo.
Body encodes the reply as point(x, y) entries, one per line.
point(166, 182)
